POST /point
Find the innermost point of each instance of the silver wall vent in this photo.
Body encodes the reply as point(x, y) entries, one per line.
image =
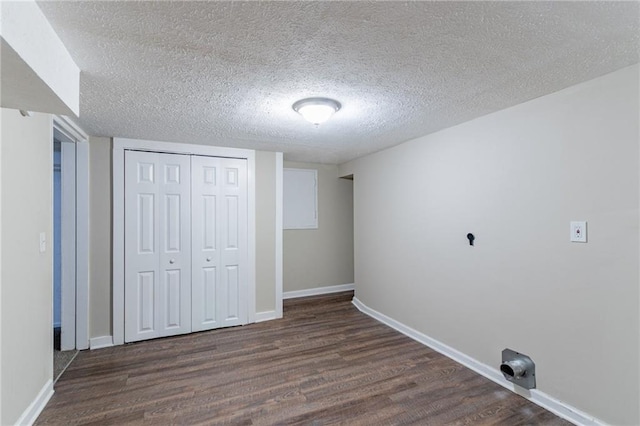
point(518, 368)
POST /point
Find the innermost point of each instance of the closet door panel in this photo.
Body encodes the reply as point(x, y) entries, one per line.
point(186, 239)
point(234, 250)
point(141, 246)
point(175, 253)
point(205, 256)
point(157, 245)
point(219, 191)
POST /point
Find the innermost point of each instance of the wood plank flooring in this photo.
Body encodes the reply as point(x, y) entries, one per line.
point(324, 363)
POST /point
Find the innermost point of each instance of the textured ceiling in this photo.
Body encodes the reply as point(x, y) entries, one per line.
point(226, 73)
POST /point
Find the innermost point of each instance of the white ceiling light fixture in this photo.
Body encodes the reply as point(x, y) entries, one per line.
point(316, 110)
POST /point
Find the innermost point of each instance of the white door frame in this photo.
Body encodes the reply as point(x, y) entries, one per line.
point(68, 243)
point(75, 235)
point(279, 232)
point(119, 147)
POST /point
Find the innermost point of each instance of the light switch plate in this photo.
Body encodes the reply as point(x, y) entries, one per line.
point(578, 231)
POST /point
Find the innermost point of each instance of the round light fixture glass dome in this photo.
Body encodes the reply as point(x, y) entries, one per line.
point(316, 110)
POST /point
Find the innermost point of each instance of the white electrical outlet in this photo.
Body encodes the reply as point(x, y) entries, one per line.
point(578, 231)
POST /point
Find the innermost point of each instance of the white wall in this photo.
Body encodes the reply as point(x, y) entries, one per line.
point(100, 263)
point(100, 281)
point(324, 256)
point(26, 304)
point(265, 231)
point(515, 179)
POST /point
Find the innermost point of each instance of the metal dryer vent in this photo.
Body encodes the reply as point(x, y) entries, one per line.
point(518, 368)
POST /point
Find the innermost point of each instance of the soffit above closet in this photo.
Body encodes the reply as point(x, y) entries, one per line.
point(227, 73)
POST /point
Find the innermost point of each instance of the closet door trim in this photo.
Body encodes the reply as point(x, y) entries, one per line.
point(120, 145)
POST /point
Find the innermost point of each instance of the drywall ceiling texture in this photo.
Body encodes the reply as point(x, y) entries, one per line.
point(227, 73)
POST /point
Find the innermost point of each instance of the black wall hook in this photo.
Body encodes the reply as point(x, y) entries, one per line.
point(470, 237)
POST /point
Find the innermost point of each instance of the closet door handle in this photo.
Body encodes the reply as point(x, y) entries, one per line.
point(208, 259)
point(172, 261)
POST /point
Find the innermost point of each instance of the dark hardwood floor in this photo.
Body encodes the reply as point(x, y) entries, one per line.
point(324, 363)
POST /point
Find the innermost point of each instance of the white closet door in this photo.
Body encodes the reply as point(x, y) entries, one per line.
point(157, 245)
point(219, 250)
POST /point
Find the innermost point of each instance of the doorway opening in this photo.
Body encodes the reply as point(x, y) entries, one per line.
point(57, 267)
point(64, 318)
point(70, 243)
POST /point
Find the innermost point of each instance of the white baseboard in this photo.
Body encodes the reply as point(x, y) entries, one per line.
point(266, 316)
point(34, 409)
point(318, 291)
point(100, 342)
point(545, 401)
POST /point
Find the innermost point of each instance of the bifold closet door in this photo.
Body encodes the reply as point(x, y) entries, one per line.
point(157, 245)
point(219, 242)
